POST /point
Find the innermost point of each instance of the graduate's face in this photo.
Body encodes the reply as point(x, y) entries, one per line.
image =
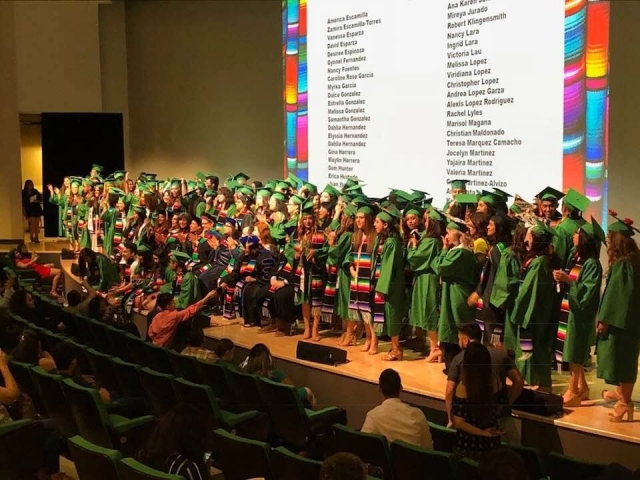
point(576, 238)
point(175, 190)
point(161, 219)
point(456, 191)
point(86, 188)
point(93, 173)
point(453, 236)
point(220, 198)
point(323, 212)
point(548, 208)
point(491, 228)
point(227, 229)
point(74, 189)
point(325, 197)
point(471, 227)
point(173, 265)
point(528, 239)
point(360, 221)
point(242, 181)
point(194, 227)
point(463, 341)
point(379, 226)
point(292, 208)
point(182, 223)
point(127, 254)
point(208, 183)
point(272, 204)
point(206, 224)
point(174, 222)
point(166, 198)
point(307, 221)
point(120, 205)
point(412, 221)
point(239, 204)
point(482, 207)
point(29, 301)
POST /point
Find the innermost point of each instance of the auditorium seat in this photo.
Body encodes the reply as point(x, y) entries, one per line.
point(159, 391)
point(373, 449)
point(136, 348)
point(443, 437)
point(183, 366)
point(101, 428)
point(298, 427)
point(286, 465)
point(131, 469)
point(214, 376)
point(241, 458)
point(467, 469)
point(532, 459)
point(129, 381)
point(93, 462)
point(157, 357)
point(411, 462)
point(103, 369)
point(99, 334)
point(55, 402)
point(118, 344)
point(562, 466)
point(24, 378)
point(21, 451)
point(246, 391)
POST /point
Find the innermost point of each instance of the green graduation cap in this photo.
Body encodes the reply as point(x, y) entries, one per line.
point(200, 176)
point(541, 228)
point(77, 181)
point(364, 207)
point(310, 187)
point(283, 187)
point(298, 200)
point(350, 211)
point(270, 184)
point(150, 177)
point(97, 168)
point(293, 181)
point(115, 191)
point(466, 199)
point(594, 230)
point(435, 214)
point(241, 176)
point(550, 194)
point(622, 226)
point(501, 195)
point(179, 257)
point(418, 195)
point(401, 195)
point(457, 225)
point(191, 185)
point(350, 182)
point(140, 210)
point(175, 181)
point(209, 193)
point(576, 201)
point(357, 188)
point(264, 192)
point(279, 196)
point(144, 248)
point(119, 175)
point(389, 215)
point(515, 209)
point(331, 190)
point(308, 208)
point(488, 197)
point(245, 190)
point(87, 182)
point(413, 209)
point(458, 183)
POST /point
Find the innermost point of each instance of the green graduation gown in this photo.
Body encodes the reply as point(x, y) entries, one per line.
point(535, 310)
point(456, 267)
point(189, 291)
point(109, 274)
point(84, 238)
point(618, 348)
point(390, 283)
point(505, 292)
point(60, 202)
point(336, 258)
point(584, 298)
point(109, 219)
point(563, 239)
point(423, 260)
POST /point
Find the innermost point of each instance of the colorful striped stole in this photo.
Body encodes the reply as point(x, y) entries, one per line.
point(524, 334)
point(117, 229)
point(484, 274)
point(69, 220)
point(284, 271)
point(574, 272)
point(329, 294)
point(360, 288)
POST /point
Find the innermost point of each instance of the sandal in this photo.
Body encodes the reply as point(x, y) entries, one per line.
point(393, 356)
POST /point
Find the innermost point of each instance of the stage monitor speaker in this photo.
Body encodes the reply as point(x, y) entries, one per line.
point(320, 353)
point(539, 403)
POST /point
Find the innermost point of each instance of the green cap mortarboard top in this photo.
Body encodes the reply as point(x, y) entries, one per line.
point(310, 187)
point(488, 197)
point(427, 201)
point(180, 257)
point(501, 194)
point(245, 190)
point(240, 176)
point(622, 226)
point(270, 184)
point(294, 181)
point(594, 230)
point(364, 207)
point(435, 214)
point(515, 208)
point(331, 190)
point(350, 211)
point(108, 183)
point(232, 185)
point(350, 182)
point(418, 195)
point(541, 228)
point(76, 181)
point(201, 186)
point(87, 182)
point(298, 200)
point(200, 176)
point(402, 195)
point(550, 194)
point(119, 175)
point(140, 209)
point(191, 185)
point(576, 201)
point(283, 186)
point(210, 193)
point(115, 191)
point(264, 192)
point(413, 209)
point(144, 248)
point(97, 168)
point(150, 177)
point(357, 188)
point(98, 184)
point(175, 181)
point(279, 196)
point(308, 208)
point(389, 214)
point(457, 225)
point(457, 183)
point(346, 198)
point(466, 199)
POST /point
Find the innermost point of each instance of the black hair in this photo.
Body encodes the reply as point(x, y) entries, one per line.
point(471, 330)
point(503, 227)
point(214, 180)
point(390, 383)
point(28, 348)
point(223, 346)
point(588, 246)
point(502, 464)
point(83, 267)
point(74, 298)
point(343, 466)
point(477, 378)
point(18, 302)
point(164, 300)
point(64, 353)
point(95, 304)
point(196, 337)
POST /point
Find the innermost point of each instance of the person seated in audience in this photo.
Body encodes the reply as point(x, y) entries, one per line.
point(24, 259)
point(477, 405)
point(9, 392)
point(395, 419)
point(176, 445)
point(260, 363)
point(99, 270)
point(504, 368)
point(23, 305)
point(343, 466)
point(165, 322)
point(502, 464)
point(224, 351)
point(78, 305)
point(29, 350)
point(7, 284)
point(99, 309)
point(194, 346)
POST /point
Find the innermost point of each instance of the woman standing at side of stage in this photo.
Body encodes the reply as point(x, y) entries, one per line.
point(422, 257)
point(618, 320)
point(581, 297)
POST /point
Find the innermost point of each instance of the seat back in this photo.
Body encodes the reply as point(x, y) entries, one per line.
point(561, 466)
point(372, 449)
point(246, 391)
point(289, 466)
point(137, 349)
point(201, 397)
point(286, 413)
point(128, 375)
point(24, 378)
point(467, 469)
point(118, 344)
point(532, 459)
point(159, 391)
point(99, 335)
point(92, 461)
point(55, 402)
point(89, 412)
point(443, 437)
point(131, 469)
point(183, 366)
point(103, 369)
point(21, 449)
point(235, 451)
point(414, 463)
point(157, 358)
point(214, 375)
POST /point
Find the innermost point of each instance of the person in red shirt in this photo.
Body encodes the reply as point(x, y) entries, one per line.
point(165, 323)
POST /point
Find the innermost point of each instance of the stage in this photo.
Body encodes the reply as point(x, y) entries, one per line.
point(584, 432)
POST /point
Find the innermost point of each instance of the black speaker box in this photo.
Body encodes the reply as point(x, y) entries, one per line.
point(313, 352)
point(67, 254)
point(539, 403)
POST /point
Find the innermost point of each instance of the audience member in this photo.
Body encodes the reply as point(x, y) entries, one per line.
point(194, 346)
point(395, 419)
point(78, 305)
point(29, 350)
point(99, 309)
point(176, 445)
point(502, 464)
point(224, 351)
point(7, 283)
point(9, 393)
point(165, 323)
point(343, 466)
point(504, 368)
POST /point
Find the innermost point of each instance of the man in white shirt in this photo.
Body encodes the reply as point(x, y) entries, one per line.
point(395, 419)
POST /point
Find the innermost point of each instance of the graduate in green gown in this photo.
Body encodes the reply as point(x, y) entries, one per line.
point(422, 256)
point(184, 287)
point(389, 304)
point(581, 283)
point(618, 320)
point(536, 308)
point(573, 205)
point(457, 269)
point(101, 272)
